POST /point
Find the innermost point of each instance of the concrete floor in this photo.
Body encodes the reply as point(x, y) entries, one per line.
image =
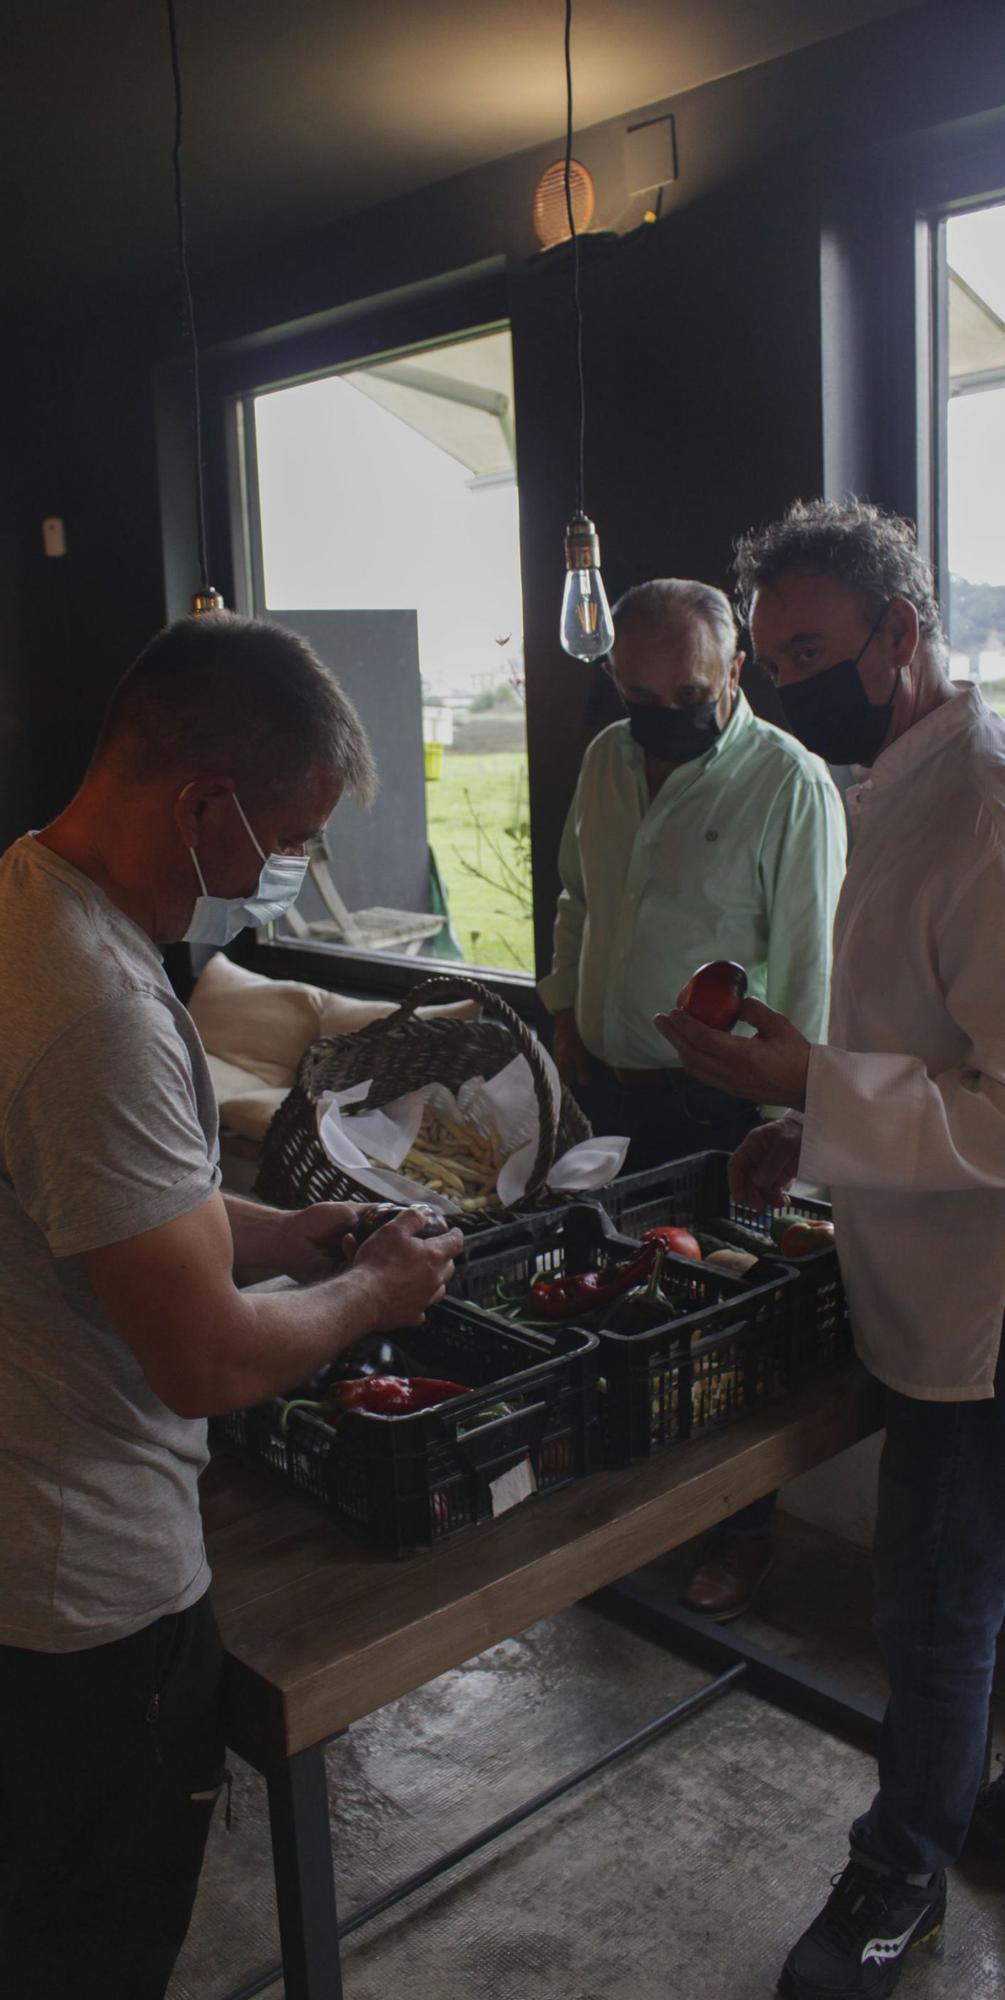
point(682, 1874)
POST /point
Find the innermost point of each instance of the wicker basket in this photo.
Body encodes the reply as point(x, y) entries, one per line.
point(401, 1054)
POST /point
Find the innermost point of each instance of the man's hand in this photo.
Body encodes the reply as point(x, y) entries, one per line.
point(764, 1167)
point(572, 1057)
point(311, 1241)
point(405, 1273)
point(768, 1068)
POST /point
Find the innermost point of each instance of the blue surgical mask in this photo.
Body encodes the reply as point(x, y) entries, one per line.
point(217, 919)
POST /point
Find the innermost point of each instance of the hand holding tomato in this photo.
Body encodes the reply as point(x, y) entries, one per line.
point(768, 1067)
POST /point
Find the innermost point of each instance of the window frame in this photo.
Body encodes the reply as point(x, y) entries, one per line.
point(457, 307)
point(925, 195)
point(937, 219)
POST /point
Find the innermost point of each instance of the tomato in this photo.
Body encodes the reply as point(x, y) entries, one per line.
point(715, 993)
point(782, 1223)
point(679, 1241)
point(806, 1237)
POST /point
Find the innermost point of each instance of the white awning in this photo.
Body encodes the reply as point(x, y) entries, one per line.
point(976, 339)
point(459, 397)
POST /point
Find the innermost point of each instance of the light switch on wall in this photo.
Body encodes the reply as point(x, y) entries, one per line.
point(54, 535)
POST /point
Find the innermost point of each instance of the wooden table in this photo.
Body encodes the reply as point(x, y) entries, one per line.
point(319, 1633)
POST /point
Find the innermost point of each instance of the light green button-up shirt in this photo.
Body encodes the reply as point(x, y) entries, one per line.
point(740, 855)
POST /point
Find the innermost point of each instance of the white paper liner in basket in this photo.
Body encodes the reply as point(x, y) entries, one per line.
point(506, 1106)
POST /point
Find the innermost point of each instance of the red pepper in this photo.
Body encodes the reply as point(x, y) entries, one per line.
point(559, 1298)
point(376, 1395)
point(393, 1395)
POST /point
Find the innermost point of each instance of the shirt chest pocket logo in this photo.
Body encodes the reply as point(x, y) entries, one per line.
point(711, 834)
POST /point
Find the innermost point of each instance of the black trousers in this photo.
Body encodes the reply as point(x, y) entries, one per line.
point(664, 1121)
point(111, 1760)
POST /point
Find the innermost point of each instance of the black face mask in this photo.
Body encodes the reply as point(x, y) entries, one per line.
point(675, 735)
point(832, 714)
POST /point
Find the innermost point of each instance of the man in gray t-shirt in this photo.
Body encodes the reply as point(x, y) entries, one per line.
point(121, 1329)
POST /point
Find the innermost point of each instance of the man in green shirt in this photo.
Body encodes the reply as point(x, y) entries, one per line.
point(697, 831)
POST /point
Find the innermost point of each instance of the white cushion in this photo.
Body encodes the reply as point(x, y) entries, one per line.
point(260, 1027)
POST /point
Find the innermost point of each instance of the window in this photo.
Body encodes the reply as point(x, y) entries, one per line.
point(973, 428)
point(382, 522)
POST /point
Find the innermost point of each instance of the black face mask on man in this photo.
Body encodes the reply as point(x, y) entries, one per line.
point(675, 735)
point(832, 714)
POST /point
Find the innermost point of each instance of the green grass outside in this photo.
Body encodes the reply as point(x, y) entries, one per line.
point(468, 812)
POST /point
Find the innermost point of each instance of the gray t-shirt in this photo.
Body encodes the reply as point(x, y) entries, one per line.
point(108, 1127)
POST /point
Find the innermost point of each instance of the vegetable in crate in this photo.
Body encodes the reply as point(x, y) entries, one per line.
point(455, 1160)
point(376, 1213)
point(563, 1298)
point(643, 1308)
point(378, 1396)
point(736, 1262)
point(715, 993)
point(680, 1241)
point(805, 1236)
point(375, 1354)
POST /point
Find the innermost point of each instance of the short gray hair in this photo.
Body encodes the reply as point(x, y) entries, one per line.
point(235, 696)
point(667, 601)
point(875, 555)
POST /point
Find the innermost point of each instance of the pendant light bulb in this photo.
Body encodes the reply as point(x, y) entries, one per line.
point(587, 627)
point(207, 600)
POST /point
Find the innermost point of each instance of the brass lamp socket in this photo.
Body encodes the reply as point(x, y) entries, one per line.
point(207, 600)
point(582, 544)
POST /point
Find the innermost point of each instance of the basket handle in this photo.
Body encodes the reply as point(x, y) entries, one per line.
point(442, 987)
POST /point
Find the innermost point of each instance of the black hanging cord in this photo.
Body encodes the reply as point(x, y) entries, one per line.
point(179, 203)
point(575, 255)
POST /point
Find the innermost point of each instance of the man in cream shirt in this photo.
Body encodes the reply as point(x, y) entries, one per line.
point(903, 1116)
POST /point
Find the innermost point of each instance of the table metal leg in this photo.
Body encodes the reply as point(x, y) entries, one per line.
point(305, 1877)
point(646, 1601)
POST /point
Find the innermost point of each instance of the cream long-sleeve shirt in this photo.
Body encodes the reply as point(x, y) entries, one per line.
point(905, 1107)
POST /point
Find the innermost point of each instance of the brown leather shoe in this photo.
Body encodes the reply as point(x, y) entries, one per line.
point(724, 1584)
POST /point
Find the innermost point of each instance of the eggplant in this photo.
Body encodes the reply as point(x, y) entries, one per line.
point(644, 1307)
point(373, 1355)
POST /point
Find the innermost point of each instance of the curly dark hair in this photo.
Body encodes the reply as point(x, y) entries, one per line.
point(875, 554)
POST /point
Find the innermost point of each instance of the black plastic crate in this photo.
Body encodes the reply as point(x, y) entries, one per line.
point(695, 1191)
point(728, 1347)
point(407, 1482)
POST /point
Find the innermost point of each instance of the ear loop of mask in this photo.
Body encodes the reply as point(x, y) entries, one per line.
point(195, 858)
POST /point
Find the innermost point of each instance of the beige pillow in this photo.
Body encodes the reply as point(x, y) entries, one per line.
point(263, 1026)
point(252, 1112)
point(229, 1081)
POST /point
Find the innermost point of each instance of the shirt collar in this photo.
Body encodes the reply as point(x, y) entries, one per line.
point(954, 718)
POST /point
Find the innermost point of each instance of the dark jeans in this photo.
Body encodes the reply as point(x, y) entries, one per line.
point(666, 1123)
point(940, 1586)
point(110, 1763)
